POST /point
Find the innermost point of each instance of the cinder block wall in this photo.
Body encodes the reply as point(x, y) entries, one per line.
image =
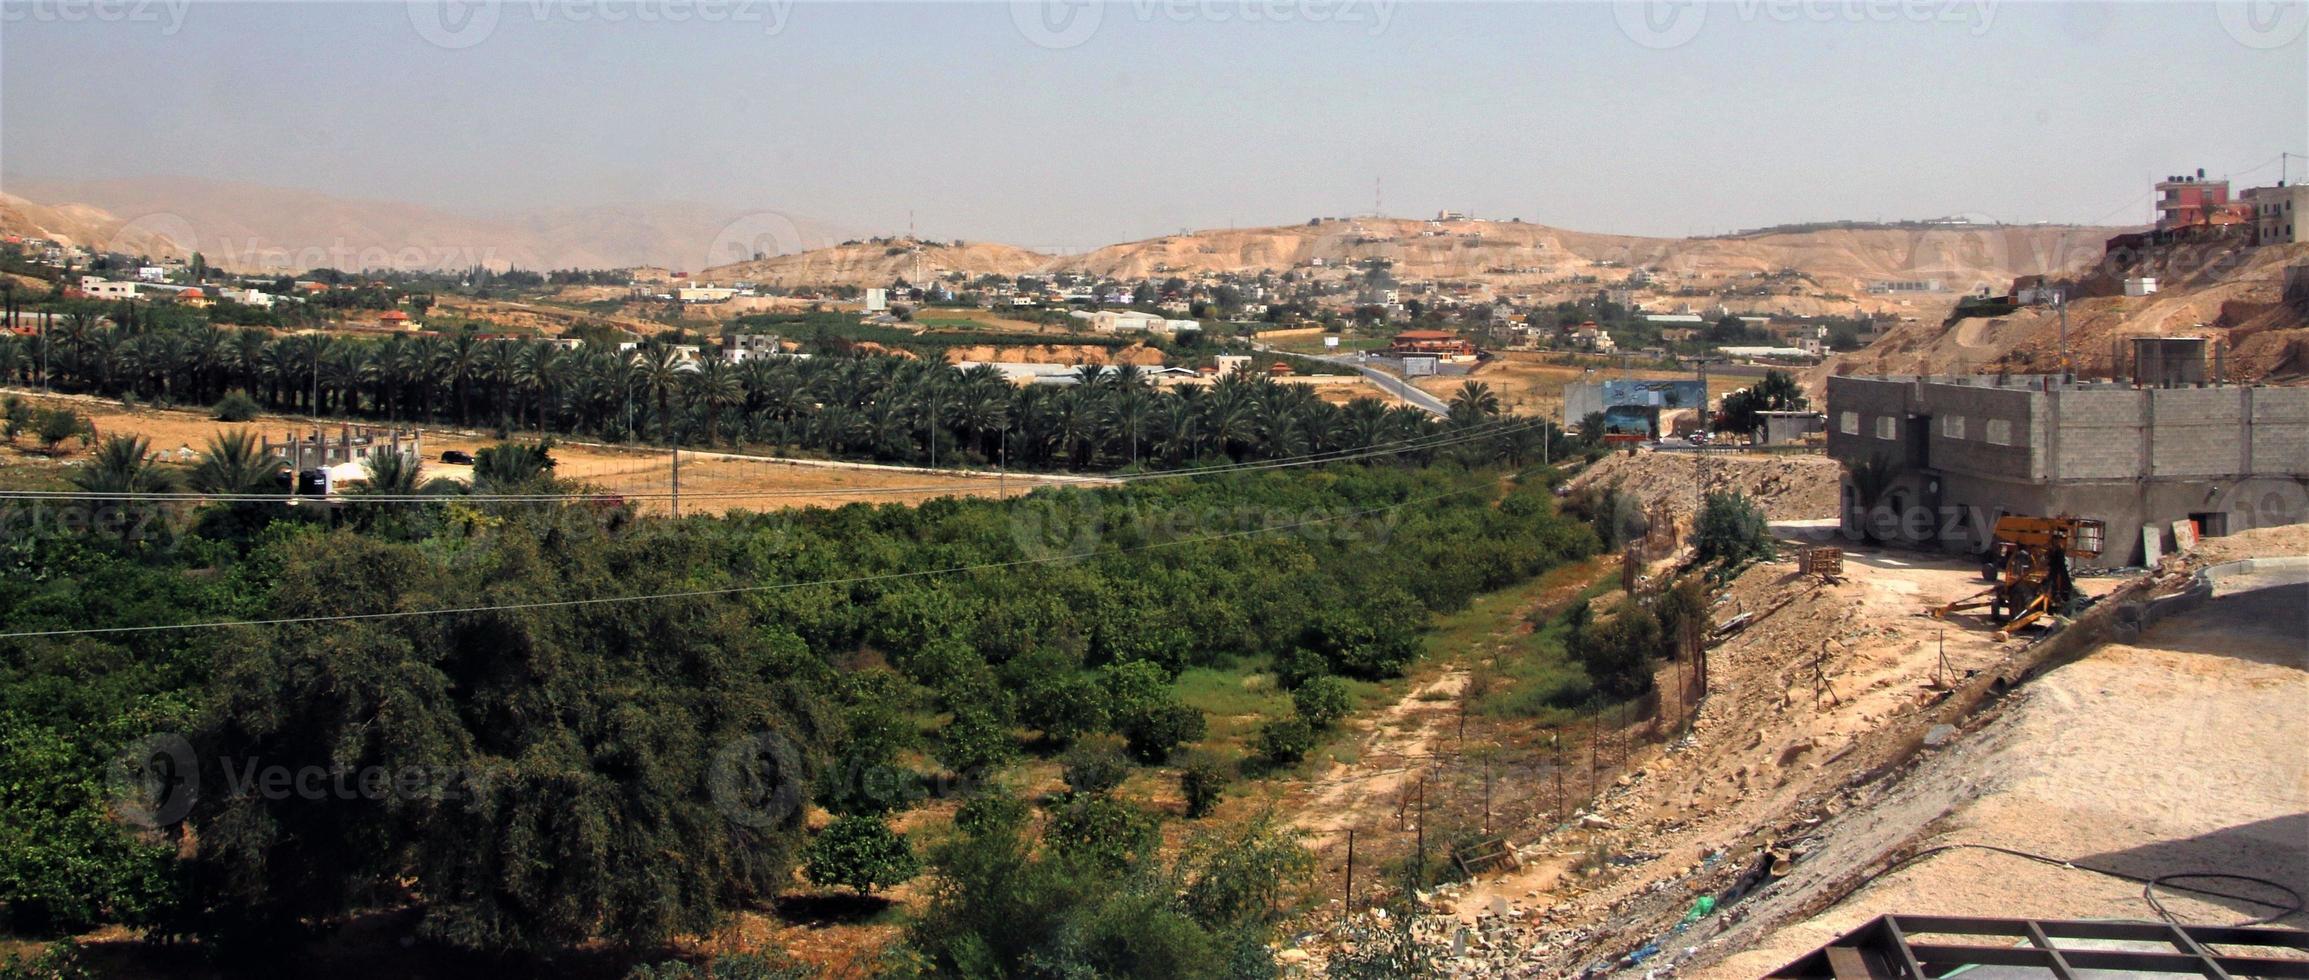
point(2024, 459)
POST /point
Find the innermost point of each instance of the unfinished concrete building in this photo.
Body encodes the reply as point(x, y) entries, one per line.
point(351, 444)
point(1933, 461)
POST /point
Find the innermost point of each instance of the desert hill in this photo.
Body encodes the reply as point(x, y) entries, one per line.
point(879, 262)
point(257, 228)
point(1961, 256)
point(1827, 271)
point(2232, 294)
point(1806, 271)
point(86, 226)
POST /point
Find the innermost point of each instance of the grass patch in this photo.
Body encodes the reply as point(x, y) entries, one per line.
point(1234, 702)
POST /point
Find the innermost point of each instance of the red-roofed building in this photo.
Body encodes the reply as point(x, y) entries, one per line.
point(1437, 343)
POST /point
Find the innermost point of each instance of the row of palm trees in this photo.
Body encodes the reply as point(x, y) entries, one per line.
point(867, 407)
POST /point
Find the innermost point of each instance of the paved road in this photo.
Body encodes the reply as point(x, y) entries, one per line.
point(1403, 389)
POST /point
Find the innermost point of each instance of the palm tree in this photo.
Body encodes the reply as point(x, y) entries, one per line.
point(1474, 402)
point(658, 371)
point(541, 374)
point(716, 388)
point(235, 465)
point(392, 474)
point(121, 466)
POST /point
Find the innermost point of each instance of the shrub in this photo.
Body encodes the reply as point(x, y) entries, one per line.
point(1203, 783)
point(1284, 741)
point(1064, 707)
point(1322, 701)
point(57, 425)
point(859, 853)
point(1153, 733)
point(236, 406)
point(991, 811)
point(1095, 769)
point(1109, 832)
point(1731, 531)
point(975, 741)
point(1617, 652)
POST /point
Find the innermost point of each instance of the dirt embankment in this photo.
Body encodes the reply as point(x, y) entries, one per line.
point(1820, 758)
point(2234, 297)
point(1138, 354)
point(1785, 486)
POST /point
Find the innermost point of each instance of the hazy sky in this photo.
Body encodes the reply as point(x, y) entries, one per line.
point(1069, 127)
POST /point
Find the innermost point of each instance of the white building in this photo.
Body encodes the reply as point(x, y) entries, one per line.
point(151, 273)
point(704, 294)
point(877, 300)
point(100, 288)
point(2274, 213)
point(1123, 321)
point(2141, 286)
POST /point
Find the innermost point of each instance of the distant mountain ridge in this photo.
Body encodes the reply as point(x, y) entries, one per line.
point(270, 229)
point(256, 228)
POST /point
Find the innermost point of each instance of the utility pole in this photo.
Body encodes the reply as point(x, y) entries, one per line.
point(2060, 299)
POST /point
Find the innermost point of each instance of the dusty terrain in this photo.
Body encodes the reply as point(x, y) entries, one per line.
point(1808, 272)
point(1818, 747)
point(878, 263)
point(2177, 752)
point(88, 226)
point(2234, 296)
point(710, 482)
point(259, 228)
point(1058, 354)
point(1788, 486)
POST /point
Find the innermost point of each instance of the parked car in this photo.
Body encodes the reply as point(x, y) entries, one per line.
point(1699, 438)
point(456, 456)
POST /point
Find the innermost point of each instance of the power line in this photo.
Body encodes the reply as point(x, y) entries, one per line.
point(1425, 443)
point(730, 590)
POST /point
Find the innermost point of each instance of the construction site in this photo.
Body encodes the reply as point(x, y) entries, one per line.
point(1858, 734)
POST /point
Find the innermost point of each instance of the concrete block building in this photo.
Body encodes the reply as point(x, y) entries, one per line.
point(1958, 452)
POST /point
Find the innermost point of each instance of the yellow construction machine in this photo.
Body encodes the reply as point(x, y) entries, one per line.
point(2028, 566)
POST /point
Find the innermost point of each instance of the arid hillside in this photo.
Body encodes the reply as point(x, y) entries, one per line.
point(257, 228)
point(2234, 295)
point(878, 263)
point(1803, 272)
point(84, 225)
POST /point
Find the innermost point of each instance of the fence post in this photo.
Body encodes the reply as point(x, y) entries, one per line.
point(1350, 906)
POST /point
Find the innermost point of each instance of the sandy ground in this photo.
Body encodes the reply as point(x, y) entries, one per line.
point(1788, 486)
point(2180, 752)
point(711, 482)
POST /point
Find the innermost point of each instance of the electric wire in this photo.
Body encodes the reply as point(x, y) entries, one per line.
point(737, 589)
point(1432, 441)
